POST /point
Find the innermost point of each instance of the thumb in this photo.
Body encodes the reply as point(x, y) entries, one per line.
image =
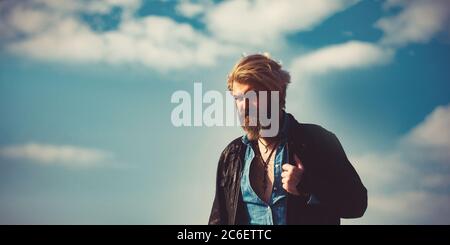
point(298, 162)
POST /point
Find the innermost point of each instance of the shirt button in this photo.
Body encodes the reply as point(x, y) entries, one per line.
point(274, 188)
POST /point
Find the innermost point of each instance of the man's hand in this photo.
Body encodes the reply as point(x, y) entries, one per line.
point(291, 176)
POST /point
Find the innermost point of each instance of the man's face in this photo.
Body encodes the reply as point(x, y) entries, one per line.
point(247, 106)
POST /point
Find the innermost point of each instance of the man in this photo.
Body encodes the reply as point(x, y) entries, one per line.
point(300, 175)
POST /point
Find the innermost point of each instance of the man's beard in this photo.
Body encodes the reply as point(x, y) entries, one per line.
point(253, 132)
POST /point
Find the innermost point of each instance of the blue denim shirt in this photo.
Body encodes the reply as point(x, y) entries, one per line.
point(259, 212)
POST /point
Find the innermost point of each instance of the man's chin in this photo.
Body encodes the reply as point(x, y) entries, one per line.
point(253, 133)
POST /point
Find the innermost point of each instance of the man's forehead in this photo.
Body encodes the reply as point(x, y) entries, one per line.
point(240, 88)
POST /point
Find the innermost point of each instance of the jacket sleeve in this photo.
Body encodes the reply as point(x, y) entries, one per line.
point(338, 185)
point(218, 214)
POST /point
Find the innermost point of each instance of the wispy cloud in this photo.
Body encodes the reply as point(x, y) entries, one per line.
point(192, 9)
point(410, 183)
point(339, 57)
point(263, 22)
point(48, 30)
point(66, 155)
point(417, 22)
point(53, 30)
point(411, 207)
point(432, 137)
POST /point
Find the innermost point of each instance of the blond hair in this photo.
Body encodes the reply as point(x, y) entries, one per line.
point(262, 73)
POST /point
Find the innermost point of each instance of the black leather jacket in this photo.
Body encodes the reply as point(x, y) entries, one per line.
point(328, 175)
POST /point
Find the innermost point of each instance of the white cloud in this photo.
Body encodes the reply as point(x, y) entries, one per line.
point(67, 155)
point(262, 22)
point(434, 131)
point(155, 41)
point(346, 56)
point(403, 187)
point(35, 20)
point(191, 9)
point(436, 181)
point(411, 207)
point(430, 140)
point(158, 42)
point(52, 30)
point(66, 39)
point(380, 172)
point(417, 22)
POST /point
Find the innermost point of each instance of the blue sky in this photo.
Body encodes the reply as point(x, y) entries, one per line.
point(85, 88)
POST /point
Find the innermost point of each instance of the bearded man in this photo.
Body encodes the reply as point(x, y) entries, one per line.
point(298, 174)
